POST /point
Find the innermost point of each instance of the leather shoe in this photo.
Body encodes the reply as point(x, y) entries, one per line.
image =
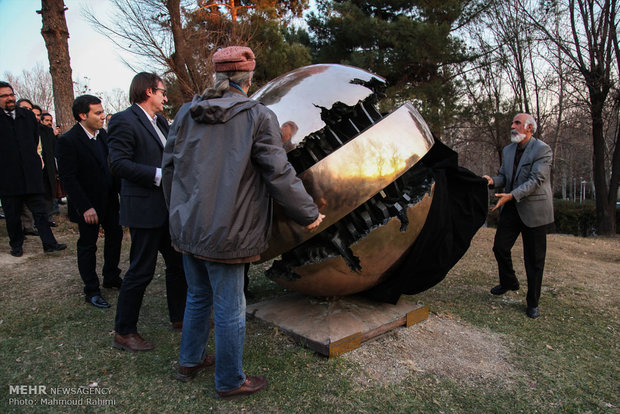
point(249, 386)
point(97, 301)
point(132, 342)
point(177, 326)
point(500, 290)
point(55, 248)
point(32, 232)
point(186, 374)
point(52, 224)
point(17, 252)
point(532, 312)
point(113, 284)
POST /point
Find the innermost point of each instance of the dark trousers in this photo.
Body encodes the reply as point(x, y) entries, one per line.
point(12, 206)
point(145, 243)
point(87, 253)
point(534, 251)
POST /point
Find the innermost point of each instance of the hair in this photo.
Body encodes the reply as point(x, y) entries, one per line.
point(24, 100)
point(4, 84)
point(222, 82)
point(140, 83)
point(37, 107)
point(81, 105)
point(43, 115)
point(529, 120)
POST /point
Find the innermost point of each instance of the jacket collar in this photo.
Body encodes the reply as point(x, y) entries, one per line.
point(139, 112)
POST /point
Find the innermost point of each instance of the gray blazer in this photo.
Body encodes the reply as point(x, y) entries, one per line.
point(532, 185)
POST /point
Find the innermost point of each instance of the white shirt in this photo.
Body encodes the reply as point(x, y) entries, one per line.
point(90, 136)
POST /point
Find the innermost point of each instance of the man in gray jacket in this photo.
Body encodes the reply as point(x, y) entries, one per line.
point(222, 165)
point(527, 209)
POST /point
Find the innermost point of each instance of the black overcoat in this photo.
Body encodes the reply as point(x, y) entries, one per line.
point(20, 164)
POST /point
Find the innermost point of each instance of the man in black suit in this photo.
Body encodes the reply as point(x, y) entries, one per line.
point(21, 178)
point(136, 140)
point(92, 193)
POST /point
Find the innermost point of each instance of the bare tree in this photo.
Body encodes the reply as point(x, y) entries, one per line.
point(591, 49)
point(56, 34)
point(165, 34)
point(114, 101)
point(34, 84)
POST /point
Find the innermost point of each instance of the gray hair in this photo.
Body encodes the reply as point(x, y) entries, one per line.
point(530, 121)
point(222, 82)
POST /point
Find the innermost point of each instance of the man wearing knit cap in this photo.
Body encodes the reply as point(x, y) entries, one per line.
point(222, 165)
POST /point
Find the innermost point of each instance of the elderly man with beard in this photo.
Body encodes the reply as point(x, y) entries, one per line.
point(526, 209)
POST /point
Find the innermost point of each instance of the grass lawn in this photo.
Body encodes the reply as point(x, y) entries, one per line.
point(476, 353)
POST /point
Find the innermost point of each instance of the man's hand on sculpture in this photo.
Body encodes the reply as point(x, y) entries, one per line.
point(489, 180)
point(312, 227)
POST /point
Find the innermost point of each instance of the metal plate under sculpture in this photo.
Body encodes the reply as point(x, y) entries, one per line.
point(361, 169)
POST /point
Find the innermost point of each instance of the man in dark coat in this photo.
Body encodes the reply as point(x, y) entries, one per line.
point(137, 137)
point(21, 178)
point(92, 193)
point(48, 147)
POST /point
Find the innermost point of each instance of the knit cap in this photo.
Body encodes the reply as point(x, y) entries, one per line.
point(234, 59)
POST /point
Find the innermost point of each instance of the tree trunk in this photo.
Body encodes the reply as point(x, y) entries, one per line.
point(55, 34)
point(605, 205)
point(182, 60)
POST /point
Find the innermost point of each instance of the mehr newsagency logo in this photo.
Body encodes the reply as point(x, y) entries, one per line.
point(33, 395)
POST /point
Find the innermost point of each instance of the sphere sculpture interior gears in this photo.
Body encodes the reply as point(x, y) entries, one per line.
point(360, 166)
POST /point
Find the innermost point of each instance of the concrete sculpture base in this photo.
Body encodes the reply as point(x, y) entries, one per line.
point(335, 326)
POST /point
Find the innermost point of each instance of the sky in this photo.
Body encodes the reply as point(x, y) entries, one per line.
point(94, 58)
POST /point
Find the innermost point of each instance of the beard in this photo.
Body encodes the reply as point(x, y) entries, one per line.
point(9, 106)
point(515, 137)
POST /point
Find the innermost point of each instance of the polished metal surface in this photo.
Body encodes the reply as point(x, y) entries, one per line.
point(379, 251)
point(358, 170)
point(301, 95)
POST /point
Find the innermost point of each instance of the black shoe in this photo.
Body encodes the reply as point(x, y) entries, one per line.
point(52, 224)
point(532, 312)
point(113, 284)
point(17, 252)
point(97, 301)
point(500, 290)
point(31, 232)
point(55, 248)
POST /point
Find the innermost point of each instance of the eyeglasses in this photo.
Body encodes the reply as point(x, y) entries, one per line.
point(164, 92)
point(12, 95)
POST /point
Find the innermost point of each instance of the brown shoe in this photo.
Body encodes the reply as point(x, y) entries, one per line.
point(249, 386)
point(177, 326)
point(188, 373)
point(131, 342)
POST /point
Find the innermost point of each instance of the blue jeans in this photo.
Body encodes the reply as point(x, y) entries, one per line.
point(218, 286)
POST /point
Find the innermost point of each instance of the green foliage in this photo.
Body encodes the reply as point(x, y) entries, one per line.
point(278, 50)
point(578, 219)
point(410, 43)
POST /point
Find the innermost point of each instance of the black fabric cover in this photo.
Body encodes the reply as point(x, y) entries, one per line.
point(459, 208)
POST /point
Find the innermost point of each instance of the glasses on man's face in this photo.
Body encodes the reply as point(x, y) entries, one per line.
point(164, 92)
point(12, 95)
